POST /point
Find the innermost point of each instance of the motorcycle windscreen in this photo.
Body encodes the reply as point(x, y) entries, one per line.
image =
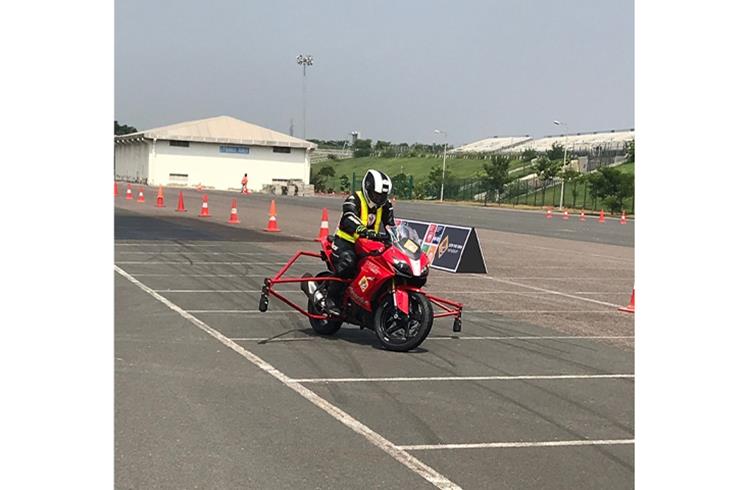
point(401, 298)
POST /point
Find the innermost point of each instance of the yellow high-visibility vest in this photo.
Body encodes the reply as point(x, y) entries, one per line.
point(364, 214)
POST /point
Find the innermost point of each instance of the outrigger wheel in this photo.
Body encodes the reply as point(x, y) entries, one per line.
point(263, 304)
point(457, 324)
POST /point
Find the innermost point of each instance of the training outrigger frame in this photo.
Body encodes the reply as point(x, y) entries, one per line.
point(448, 307)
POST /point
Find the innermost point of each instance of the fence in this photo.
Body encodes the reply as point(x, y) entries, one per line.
point(529, 192)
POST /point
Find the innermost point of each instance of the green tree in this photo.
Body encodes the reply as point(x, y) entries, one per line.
point(630, 151)
point(124, 129)
point(546, 168)
point(344, 183)
point(496, 174)
point(400, 183)
point(362, 148)
point(327, 171)
point(435, 180)
point(557, 152)
point(571, 177)
point(528, 154)
point(612, 187)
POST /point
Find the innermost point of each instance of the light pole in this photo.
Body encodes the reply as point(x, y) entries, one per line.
point(305, 61)
point(565, 157)
point(445, 146)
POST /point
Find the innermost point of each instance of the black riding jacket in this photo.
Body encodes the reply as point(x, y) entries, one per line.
point(351, 217)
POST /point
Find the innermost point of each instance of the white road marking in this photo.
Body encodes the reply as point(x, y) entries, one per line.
point(200, 275)
point(400, 455)
point(522, 293)
point(476, 337)
point(525, 293)
point(486, 445)
point(199, 252)
point(160, 262)
point(465, 378)
point(465, 311)
point(559, 293)
point(222, 290)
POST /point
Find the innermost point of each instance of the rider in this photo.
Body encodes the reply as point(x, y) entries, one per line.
point(363, 213)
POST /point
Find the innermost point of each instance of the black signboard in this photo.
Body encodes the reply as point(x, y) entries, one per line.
point(450, 248)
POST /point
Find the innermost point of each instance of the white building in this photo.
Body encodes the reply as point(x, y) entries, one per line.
point(214, 152)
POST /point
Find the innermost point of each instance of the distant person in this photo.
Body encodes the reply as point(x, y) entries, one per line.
point(244, 185)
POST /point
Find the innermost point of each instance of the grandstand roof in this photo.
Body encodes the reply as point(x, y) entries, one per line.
point(579, 141)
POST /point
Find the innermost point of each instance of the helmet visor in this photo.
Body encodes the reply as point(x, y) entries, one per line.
point(379, 198)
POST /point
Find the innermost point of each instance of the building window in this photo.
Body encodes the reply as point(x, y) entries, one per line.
point(181, 179)
point(245, 150)
point(282, 149)
point(184, 144)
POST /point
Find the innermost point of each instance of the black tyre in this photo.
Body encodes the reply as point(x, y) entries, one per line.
point(322, 327)
point(403, 335)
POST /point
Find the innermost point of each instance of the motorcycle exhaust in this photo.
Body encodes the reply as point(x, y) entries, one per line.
point(311, 290)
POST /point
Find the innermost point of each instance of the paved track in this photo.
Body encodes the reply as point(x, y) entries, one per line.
point(526, 372)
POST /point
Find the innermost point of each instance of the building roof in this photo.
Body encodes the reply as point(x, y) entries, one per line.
point(220, 129)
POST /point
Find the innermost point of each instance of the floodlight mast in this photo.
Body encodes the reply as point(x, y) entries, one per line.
point(304, 61)
point(445, 147)
point(565, 156)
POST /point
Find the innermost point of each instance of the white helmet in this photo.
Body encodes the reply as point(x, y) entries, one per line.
point(376, 186)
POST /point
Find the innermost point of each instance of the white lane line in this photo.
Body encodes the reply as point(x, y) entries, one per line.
point(184, 247)
point(568, 278)
point(456, 337)
point(550, 291)
point(160, 262)
point(486, 445)
point(200, 275)
point(400, 455)
point(223, 290)
point(202, 253)
point(525, 312)
point(524, 293)
point(466, 378)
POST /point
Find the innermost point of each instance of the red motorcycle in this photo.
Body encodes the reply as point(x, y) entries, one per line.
point(385, 296)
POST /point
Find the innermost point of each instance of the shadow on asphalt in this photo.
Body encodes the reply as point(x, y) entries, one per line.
point(134, 226)
point(351, 334)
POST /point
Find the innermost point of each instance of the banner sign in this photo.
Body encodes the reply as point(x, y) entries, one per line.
point(450, 248)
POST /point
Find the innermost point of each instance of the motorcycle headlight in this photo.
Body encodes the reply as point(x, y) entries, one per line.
point(402, 267)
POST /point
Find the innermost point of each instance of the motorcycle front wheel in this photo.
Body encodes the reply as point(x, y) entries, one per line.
point(403, 334)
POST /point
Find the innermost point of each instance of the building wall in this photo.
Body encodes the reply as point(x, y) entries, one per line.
point(131, 161)
point(203, 163)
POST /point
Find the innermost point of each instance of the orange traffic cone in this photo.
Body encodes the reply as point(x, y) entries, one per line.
point(631, 307)
point(180, 203)
point(601, 216)
point(566, 215)
point(116, 192)
point(129, 194)
point(272, 224)
point(160, 198)
point(204, 207)
point(233, 218)
point(549, 213)
point(583, 216)
point(140, 196)
point(623, 219)
point(323, 234)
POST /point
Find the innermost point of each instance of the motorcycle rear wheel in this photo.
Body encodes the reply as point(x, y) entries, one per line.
point(322, 327)
point(403, 335)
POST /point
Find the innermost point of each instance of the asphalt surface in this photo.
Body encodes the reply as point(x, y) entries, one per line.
point(191, 412)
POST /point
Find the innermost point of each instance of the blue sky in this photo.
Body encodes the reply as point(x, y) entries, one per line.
point(391, 70)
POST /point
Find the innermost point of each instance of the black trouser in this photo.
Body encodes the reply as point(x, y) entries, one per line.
point(345, 266)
